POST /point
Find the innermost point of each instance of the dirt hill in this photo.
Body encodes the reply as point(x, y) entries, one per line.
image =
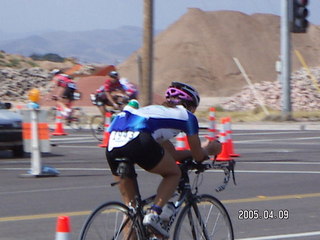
point(199, 49)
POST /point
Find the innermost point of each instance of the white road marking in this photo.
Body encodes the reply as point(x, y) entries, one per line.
point(284, 236)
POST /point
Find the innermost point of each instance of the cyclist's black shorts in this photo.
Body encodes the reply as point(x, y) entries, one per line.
point(101, 99)
point(143, 150)
point(68, 93)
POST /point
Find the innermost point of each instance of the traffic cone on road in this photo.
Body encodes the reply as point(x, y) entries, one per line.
point(224, 155)
point(182, 142)
point(59, 130)
point(229, 138)
point(106, 134)
point(63, 228)
point(212, 125)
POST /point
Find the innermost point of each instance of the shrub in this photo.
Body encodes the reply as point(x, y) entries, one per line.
point(52, 57)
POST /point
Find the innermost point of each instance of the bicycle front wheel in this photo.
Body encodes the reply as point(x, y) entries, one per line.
point(111, 220)
point(97, 127)
point(204, 219)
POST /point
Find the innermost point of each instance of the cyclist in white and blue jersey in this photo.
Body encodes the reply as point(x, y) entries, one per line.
point(143, 135)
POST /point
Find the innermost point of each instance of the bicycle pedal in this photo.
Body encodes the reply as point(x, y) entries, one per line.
point(155, 235)
point(157, 238)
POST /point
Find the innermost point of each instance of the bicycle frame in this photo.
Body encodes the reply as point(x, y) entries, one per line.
point(186, 194)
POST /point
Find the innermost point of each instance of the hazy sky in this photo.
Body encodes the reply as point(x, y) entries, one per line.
point(77, 15)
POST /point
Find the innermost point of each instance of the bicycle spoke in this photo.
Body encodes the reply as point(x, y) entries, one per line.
point(109, 221)
point(206, 219)
point(97, 127)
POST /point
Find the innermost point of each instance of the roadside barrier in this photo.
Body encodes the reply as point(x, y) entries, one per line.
point(20, 107)
point(212, 135)
point(36, 140)
point(59, 130)
point(224, 155)
point(63, 228)
point(229, 138)
point(106, 134)
point(41, 133)
point(182, 142)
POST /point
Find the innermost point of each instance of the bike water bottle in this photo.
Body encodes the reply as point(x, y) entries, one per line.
point(167, 211)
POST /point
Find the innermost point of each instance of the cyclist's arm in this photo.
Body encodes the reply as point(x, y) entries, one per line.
point(177, 155)
point(110, 99)
point(199, 154)
point(59, 91)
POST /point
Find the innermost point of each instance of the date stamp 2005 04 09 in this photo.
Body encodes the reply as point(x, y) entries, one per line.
point(267, 214)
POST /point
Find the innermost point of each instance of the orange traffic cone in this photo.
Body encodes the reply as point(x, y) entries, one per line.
point(229, 138)
point(63, 228)
point(224, 155)
point(182, 142)
point(212, 125)
point(106, 135)
point(59, 131)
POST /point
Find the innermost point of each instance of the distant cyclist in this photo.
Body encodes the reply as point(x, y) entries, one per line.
point(143, 135)
point(112, 94)
point(130, 88)
point(64, 93)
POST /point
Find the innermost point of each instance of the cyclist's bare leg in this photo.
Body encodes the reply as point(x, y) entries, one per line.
point(127, 189)
point(170, 173)
point(102, 110)
point(66, 105)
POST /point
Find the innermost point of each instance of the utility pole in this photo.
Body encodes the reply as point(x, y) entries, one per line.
point(285, 61)
point(147, 55)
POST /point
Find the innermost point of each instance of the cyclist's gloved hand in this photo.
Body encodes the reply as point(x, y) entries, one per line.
point(116, 106)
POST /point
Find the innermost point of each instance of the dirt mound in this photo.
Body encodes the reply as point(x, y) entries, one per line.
point(199, 49)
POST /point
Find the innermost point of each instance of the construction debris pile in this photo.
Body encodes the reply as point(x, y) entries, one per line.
point(15, 83)
point(305, 94)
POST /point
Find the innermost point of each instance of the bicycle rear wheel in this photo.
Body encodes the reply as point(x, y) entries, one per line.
point(97, 127)
point(206, 219)
point(111, 220)
point(78, 119)
point(51, 114)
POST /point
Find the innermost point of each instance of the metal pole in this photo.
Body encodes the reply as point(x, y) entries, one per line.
point(35, 145)
point(139, 64)
point(147, 54)
point(285, 61)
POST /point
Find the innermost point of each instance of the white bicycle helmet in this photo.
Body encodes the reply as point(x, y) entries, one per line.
point(56, 71)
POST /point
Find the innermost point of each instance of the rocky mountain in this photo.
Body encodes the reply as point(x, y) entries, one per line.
point(96, 46)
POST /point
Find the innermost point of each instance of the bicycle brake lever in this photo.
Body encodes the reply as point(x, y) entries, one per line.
point(231, 169)
point(227, 170)
point(114, 183)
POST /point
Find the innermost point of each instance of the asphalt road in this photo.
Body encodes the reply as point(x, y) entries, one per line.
point(277, 176)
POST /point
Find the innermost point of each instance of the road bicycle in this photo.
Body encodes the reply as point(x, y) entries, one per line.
point(77, 119)
point(198, 216)
point(97, 124)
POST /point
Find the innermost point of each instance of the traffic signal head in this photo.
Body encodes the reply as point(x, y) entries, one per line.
point(298, 16)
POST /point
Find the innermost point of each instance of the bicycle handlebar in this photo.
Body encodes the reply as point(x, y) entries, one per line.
point(185, 165)
point(226, 166)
